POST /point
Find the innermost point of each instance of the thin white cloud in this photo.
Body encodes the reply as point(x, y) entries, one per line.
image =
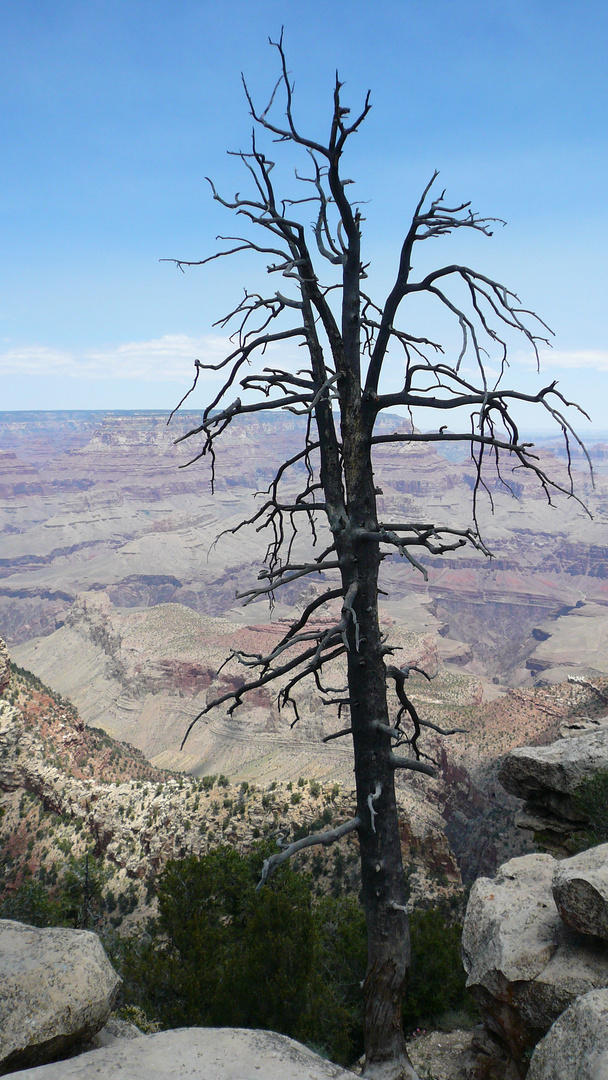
point(593, 359)
point(166, 359)
point(171, 359)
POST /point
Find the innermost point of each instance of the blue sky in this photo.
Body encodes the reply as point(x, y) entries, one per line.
point(114, 112)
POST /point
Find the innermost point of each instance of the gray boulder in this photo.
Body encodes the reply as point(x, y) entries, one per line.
point(547, 777)
point(57, 988)
point(198, 1053)
point(576, 1046)
point(524, 967)
point(580, 891)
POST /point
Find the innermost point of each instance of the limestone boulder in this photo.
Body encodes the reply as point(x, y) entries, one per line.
point(57, 988)
point(5, 667)
point(580, 891)
point(550, 774)
point(199, 1054)
point(524, 966)
point(546, 777)
point(576, 1046)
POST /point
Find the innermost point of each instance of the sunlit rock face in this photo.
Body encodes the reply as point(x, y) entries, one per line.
point(222, 1054)
point(580, 891)
point(57, 988)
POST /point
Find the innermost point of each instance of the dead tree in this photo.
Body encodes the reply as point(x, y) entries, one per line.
point(345, 337)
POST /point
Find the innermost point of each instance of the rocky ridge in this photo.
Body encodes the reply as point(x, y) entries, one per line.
point(143, 674)
point(259, 749)
point(68, 788)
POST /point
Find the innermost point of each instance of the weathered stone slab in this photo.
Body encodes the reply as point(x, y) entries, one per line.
point(576, 1046)
point(57, 988)
point(198, 1053)
point(580, 891)
point(548, 775)
point(547, 778)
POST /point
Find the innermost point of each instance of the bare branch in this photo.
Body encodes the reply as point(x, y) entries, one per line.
point(338, 734)
point(313, 840)
point(413, 764)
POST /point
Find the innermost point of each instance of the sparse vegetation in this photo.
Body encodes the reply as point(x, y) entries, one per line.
point(591, 801)
point(222, 953)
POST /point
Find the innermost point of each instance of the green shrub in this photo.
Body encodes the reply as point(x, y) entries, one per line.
point(32, 904)
point(225, 954)
point(71, 897)
point(222, 953)
point(436, 983)
point(591, 801)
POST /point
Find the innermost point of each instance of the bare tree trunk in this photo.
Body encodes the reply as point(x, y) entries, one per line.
point(383, 886)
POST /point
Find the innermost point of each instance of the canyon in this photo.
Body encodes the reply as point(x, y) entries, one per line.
point(116, 592)
point(118, 573)
point(92, 501)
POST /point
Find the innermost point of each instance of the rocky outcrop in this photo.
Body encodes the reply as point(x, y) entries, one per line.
point(5, 667)
point(221, 1054)
point(57, 987)
point(547, 778)
point(580, 891)
point(576, 1047)
point(524, 966)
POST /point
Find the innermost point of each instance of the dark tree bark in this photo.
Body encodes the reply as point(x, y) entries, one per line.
point(347, 337)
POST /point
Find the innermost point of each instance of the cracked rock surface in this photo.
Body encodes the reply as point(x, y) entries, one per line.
point(580, 891)
point(524, 966)
point(576, 1046)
